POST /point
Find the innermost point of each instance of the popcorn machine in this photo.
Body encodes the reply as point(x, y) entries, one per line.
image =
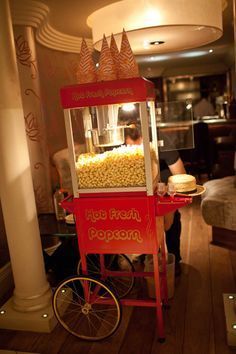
point(114, 198)
point(106, 165)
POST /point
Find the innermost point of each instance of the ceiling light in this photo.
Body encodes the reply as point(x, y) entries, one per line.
point(156, 42)
point(188, 106)
point(210, 50)
point(181, 24)
point(176, 55)
point(193, 54)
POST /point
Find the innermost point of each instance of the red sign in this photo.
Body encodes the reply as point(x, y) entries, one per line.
point(107, 92)
point(116, 225)
point(125, 223)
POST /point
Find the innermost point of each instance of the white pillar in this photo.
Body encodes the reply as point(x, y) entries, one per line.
point(34, 116)
point(32, 291)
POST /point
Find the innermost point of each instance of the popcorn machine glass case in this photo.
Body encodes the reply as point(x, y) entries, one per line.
point(97, 116)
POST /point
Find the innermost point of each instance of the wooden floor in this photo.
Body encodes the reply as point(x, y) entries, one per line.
point(194, 324)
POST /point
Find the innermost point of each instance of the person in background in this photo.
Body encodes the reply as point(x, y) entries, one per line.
point(204, 107)
point(170, 164)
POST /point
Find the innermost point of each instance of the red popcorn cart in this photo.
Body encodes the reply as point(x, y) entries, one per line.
point(115, 205)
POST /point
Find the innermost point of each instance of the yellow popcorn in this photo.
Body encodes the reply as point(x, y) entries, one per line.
point(120, 167)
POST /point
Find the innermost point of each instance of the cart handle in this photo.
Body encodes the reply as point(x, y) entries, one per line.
point(68, 203)
point(165, 205)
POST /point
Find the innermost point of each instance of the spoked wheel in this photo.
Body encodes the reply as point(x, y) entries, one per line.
point(86, 308)
point(122, 284)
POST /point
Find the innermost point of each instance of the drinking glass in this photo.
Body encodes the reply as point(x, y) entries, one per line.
point(161, 189)
point(171, 190)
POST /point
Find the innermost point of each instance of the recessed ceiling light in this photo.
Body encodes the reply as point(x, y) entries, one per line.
point(156, 42)
point(210, 50)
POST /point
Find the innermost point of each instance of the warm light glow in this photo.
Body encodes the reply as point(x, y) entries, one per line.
point(189, 106)
point(158, 111)
point(210, 50)
point(159, 58)
point(180, 85)
point(164, 57)
point(128, 107)
point(234, 325)
point(180, 25)
point(193, 54)
point(231, 297)
point(146, 43)
point(151, 17)
point(45, 315)
point(2, 312)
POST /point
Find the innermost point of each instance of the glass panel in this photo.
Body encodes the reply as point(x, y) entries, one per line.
point(175, 125)
point(104, 158)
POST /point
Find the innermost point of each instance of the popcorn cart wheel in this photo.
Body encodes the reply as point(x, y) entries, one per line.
point(121, 285)
point(83, 304)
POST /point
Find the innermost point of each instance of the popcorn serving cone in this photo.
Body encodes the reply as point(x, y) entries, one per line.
point(106, 70)
point(115, 54)
point(128, 68)
point(86, 71)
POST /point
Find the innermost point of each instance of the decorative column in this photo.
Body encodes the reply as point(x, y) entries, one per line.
point(32, 294)
point(33, 115)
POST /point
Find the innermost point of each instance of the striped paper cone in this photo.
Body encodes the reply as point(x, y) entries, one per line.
point(86, 69)
point(106, 70)
point(115, 54)
point(128, 67)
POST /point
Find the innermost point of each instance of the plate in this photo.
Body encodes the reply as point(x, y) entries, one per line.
point(200, 190)
point(70, 219)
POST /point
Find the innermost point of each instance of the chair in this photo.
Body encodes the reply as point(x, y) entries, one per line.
point(60, 161)
point(218, 208)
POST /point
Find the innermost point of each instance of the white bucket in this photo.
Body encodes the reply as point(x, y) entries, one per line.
point(170, 269)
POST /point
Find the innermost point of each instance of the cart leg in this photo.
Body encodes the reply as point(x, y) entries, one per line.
point(84, 264)
point(102, 266)
point(160, 323)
